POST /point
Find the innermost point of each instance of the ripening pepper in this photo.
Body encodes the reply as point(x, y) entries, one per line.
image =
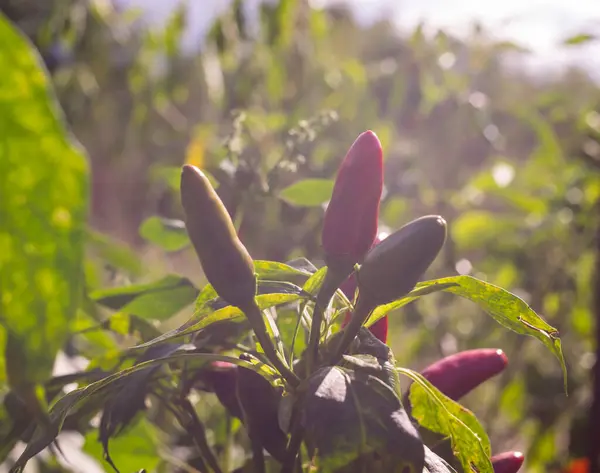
point(351, 218)
point(379, 328)
point(393, 268)
point(225, 260)
point(507, 462)
point(456, 375)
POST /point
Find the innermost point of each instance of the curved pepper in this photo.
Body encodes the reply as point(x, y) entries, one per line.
point(507, 462)
point(456, 375)
point(224, 259)
point(351, 218)
point(393, 268)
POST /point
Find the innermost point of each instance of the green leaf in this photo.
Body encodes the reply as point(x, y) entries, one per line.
point(315, 282)
point(43, 195)
point(579, 39)
point(115, 254)
point(420, 290)
point(157, 300)
point(274, 270)
point(135, 448)
point(506, 308)
point(308, 193)
point(44, 435)
point(440, 414)
point(205, 316)
point(166, 233)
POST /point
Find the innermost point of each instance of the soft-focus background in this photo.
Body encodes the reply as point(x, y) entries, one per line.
point(488, 115)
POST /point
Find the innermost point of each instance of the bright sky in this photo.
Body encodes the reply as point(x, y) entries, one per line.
point(539, 25)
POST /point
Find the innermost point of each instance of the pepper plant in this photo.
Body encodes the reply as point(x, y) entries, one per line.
point(295, 352)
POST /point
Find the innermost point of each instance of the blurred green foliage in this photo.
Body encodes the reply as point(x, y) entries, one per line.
point(511, 161)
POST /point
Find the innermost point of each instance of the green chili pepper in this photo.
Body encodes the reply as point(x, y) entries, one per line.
point(225, 260)
point(226, 263)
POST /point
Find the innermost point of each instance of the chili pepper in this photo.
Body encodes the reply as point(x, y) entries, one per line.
point(507, 462)
point(458, 374)
point(393, 268)
point(578, 465)
point(225, 260)
point(379, 328)
point(226, 263)
point(351, 218)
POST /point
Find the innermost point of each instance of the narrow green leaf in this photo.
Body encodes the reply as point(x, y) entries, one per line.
point(170, 235)
point(420, 290)
point(161, 305)
point(506, 308)
point(117, 298)
point(43, 196)
point(308, 192)
point(205, 316)
point(315, 282)
point(440, 414)
point(274, 270)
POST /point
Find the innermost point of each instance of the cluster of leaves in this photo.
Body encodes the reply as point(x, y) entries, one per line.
point(487, 124)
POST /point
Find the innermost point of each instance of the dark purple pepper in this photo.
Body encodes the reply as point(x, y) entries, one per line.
point(351, 218)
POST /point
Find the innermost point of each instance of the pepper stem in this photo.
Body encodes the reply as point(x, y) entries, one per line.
point(335, 276)
point(254, 315)
point(362, 310)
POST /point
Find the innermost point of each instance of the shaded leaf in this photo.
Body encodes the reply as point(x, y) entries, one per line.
point(259, 403)
point(308, 192)
point(169, 234)
point(128, 398)
point(442, 415)
point(99, 390)
point(347, 415)
point(302, 264)
point(134, 448)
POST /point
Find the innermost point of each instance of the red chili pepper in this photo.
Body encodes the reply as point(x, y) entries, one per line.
point(351, 218)
point(458, 374)
point(348, 287)
point(578, 465)
point(507, 462)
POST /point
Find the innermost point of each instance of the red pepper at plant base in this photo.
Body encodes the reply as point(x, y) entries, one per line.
point(351, 218)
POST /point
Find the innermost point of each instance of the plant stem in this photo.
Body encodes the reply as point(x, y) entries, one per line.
point(199, 434)
point(294, 444)
point(333, 278)
point(254, 315)
point(362, 310)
